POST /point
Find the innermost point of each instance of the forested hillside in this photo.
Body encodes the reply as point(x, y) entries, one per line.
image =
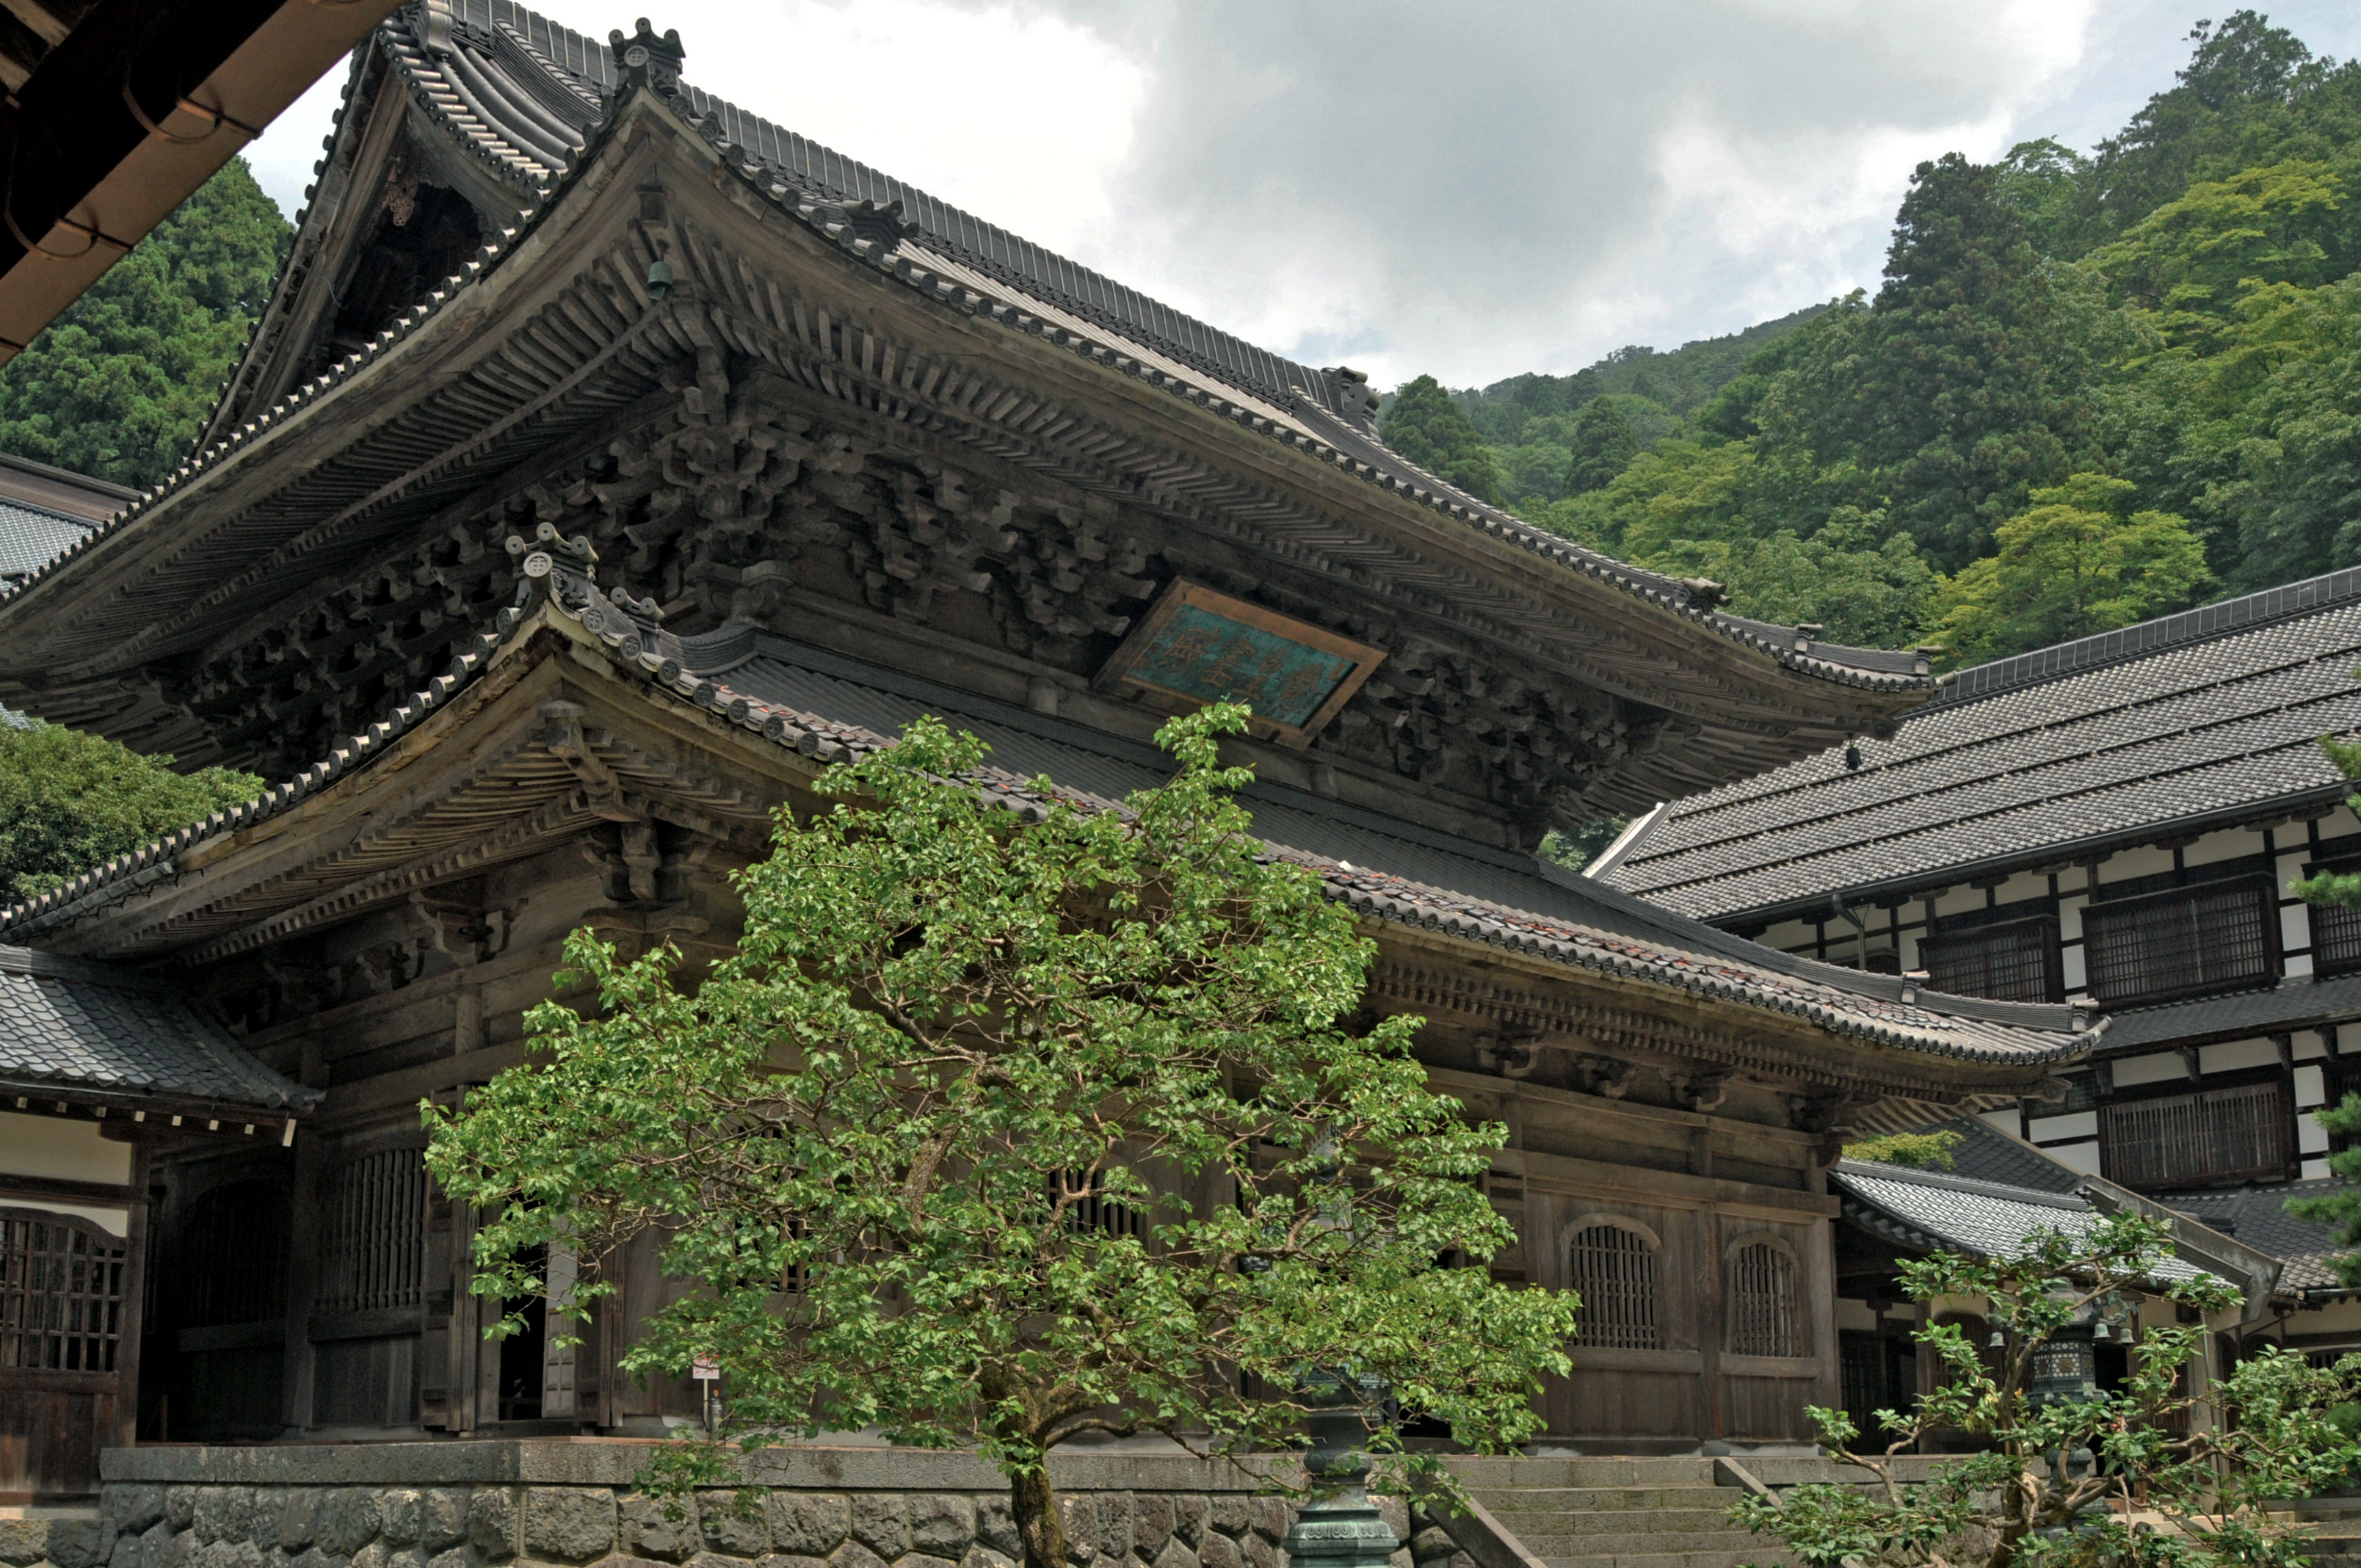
point(2089, 389)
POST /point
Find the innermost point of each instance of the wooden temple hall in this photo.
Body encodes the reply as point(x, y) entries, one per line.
point(611, 460)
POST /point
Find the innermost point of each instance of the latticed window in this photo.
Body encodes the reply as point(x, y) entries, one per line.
point(2218, 1136)
point(374, 1236)
point(1765, 1308)
point(2336, 929)
point(1087, 1208)
point(2216, 937)
point(1614, 1272)
point(61, 1294)
point(2016, 961)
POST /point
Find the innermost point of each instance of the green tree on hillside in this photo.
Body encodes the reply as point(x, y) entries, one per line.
point(1424, 424)
point(70, 801)
point(2074, 564)
point(2195, 259)
point(118, 385)
point(1946, 390)
point(1602, 446)
point(2243, 93)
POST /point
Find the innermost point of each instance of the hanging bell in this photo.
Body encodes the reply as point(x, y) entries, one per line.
point(2099, 1333)
point(1999, 1340)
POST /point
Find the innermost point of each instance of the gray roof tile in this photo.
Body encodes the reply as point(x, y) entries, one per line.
point(2259, 1216)
point(1930, 1209)
point(824, 705)
point(2214, 713)
point(31, 536)
point(71, 1025)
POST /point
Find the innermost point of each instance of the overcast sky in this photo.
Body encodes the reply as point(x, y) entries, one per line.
point(1473, 189)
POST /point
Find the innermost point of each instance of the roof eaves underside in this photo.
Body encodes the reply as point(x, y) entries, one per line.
point(1611, 934)
point(2210, 731)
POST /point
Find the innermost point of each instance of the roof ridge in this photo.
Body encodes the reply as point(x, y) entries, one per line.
point(985, 245)
point(2179, 630)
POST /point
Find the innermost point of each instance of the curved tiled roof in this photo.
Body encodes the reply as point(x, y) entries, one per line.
point(67, 1026)
point(2213, 715)
point(1928, 1211)
point(509, 85)
point(826, 706)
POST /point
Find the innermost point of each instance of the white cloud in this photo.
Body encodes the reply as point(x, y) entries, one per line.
point(1473, 189)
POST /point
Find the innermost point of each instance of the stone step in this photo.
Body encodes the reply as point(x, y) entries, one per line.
point(1615, 1521)
point(1674, 1560)
point(1646, 1541)
point(1515, 1472)
point(1587, 1499)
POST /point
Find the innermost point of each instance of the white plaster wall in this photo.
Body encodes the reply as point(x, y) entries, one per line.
point(1958, 900)
point(2080, 1125)
point(2084, 1157)
point(2225, 845)
point(65, 1151)
point(2231, 1055)
point(2146, 860)
point(2024, 885)
point(2310, 1086)
point(57, 1147)
point(2133, 1070)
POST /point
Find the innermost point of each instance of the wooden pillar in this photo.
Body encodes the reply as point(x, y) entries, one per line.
point(1713, 1405)
point(305, 1224)
point(135, 1303)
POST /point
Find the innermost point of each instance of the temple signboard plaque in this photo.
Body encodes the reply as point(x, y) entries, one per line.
point(1197, 646)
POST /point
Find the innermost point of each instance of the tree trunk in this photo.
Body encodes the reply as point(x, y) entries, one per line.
point(1036, 1507)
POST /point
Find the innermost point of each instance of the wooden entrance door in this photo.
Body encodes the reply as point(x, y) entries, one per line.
point(66, 1291)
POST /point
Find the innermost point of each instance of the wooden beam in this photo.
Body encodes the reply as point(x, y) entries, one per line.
point(58, 1190)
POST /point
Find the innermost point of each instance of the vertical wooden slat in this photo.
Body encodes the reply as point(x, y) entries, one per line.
point(1614, 1272)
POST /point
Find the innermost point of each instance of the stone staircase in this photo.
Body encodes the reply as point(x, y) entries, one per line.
point(1644, 1513)
point(1617, 1513)
point(2336, 1541)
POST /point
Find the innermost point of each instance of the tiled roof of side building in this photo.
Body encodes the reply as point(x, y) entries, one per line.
point(1985, 1154)
point(1927, 1209)
point(486, 70)
point(2211, 715)
point(71, 1026)
point(31, 536)
point(824, 705)
point(2257, 1215)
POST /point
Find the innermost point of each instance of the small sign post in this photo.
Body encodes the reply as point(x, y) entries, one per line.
point(707, 1372)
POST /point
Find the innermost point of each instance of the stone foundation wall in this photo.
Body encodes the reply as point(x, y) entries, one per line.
point(565, 1503)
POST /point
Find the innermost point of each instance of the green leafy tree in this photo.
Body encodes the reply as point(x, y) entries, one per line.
point(2125, 1478)
point(2193, 259)
point(1426, 425)
point(1948, 392)
point(1914, 1151)
point(70, 801)
point(118, 385)
point(1005, 1128)
point(2070, 566)
point(1601, 445)
point(2042, 182)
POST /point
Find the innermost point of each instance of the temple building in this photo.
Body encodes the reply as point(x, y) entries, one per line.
point(611, 460)
point(2112, 823)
